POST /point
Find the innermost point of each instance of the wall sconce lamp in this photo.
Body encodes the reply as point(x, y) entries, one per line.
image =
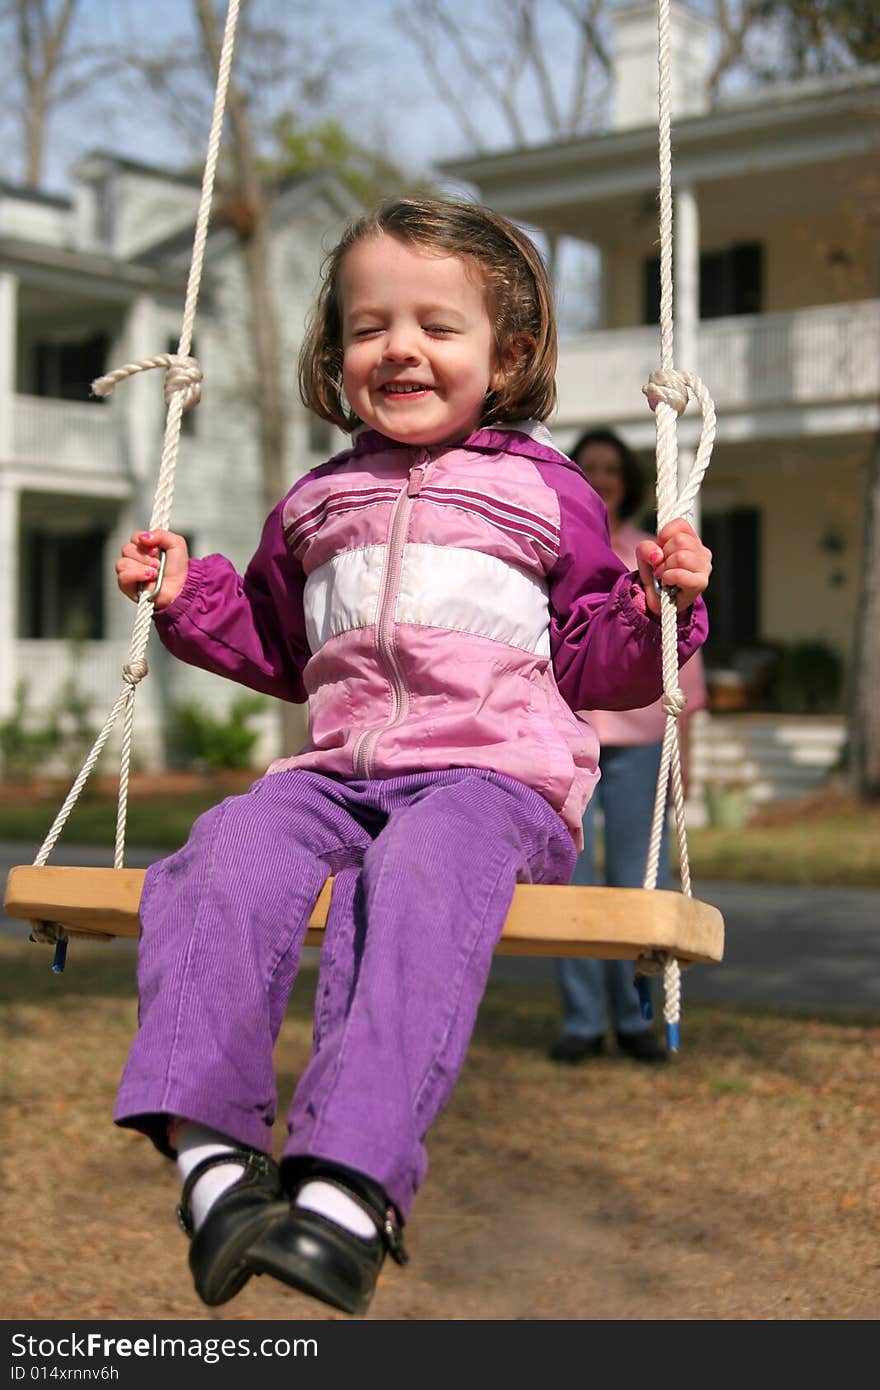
point(832, 542)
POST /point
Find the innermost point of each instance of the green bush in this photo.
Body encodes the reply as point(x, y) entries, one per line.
point(806, 678)
point(206, 740)
point(24, 745)
point(71, 712)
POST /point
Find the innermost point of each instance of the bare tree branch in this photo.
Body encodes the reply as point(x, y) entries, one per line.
point(546, 84)
point(586, 14)
point(734, 26)
point(247, 208)
point(436, 70)
point(41, 38)
point(425, 21)
point(510, 55)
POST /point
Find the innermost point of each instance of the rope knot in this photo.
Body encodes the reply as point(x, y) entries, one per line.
point(668, 387)
point(134, 671)
point(674, 701)
point(183, 375)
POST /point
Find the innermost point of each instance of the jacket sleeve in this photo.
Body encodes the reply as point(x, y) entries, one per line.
point(605, 644)
point(250, 629)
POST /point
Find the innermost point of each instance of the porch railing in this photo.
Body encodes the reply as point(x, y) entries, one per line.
point(95, 668)
point(72, 435)
point(826, 354)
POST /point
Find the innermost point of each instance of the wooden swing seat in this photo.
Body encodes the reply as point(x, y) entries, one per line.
point(611, 923)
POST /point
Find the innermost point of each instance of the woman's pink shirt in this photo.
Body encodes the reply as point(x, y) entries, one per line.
point(616, 727)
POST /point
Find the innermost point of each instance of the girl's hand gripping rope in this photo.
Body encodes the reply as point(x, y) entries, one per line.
point(677, 559)
point(139, 565)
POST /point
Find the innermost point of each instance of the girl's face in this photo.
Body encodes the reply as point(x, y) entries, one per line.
point(417, 341)
point(602, 467)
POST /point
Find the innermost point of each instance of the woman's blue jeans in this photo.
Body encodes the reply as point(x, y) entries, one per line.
point(625, 793)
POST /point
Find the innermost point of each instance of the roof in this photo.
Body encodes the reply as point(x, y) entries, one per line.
point(785, 104)
point(777, 150)
point(290, 195)
point(192, 178)
point(32, 195)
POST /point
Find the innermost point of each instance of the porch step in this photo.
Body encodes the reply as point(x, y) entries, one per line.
point(775, 757)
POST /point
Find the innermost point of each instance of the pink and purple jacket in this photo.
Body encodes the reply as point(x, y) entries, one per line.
point(437, 607)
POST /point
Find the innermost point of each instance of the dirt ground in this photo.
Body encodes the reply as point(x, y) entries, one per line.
point(740, 1182)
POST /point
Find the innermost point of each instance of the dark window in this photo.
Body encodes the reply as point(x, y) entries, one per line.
point(66, 370)
point(731, 282)
point(62, 585)
point(734, 595)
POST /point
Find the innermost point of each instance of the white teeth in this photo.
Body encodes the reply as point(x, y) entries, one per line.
point(400, 389)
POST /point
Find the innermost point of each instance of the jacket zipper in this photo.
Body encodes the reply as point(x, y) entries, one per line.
point(388, 594)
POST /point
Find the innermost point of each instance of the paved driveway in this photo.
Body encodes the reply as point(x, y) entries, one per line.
point(812, 948)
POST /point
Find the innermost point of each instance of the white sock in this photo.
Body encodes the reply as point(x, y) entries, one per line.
point(194, 1143)
point(328, 1201)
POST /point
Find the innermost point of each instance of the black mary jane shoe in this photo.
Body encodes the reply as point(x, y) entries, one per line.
point(318, 1257)
point(238, 1217)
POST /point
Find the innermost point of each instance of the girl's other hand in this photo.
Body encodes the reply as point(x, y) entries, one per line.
point(676, 559)
point(139, 565)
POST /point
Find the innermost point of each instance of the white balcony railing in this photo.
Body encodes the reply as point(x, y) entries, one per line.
point(822, 355)
point(71, 435)
point(95, 669)
point(826, 354)
point(76, 438)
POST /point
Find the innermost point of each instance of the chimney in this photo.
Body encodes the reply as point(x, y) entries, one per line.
point(634, 72)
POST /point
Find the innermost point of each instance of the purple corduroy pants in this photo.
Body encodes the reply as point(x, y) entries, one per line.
point(424, 866)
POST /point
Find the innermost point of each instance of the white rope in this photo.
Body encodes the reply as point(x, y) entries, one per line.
point(182, 391)
point(667, 393)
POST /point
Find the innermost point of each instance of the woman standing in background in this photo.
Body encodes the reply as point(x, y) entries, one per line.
point(630, 743)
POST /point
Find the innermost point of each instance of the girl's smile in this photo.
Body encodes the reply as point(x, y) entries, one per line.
point(417, 341)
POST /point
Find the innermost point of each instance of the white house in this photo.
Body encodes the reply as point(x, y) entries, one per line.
point(777, 276)
point(777, 203)
point(87, 284)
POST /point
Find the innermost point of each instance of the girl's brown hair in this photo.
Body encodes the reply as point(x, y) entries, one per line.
point(519, 301)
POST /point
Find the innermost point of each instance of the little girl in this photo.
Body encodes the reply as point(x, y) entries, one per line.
point(443, 593)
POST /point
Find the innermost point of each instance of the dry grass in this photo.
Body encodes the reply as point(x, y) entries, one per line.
point(741, 1182)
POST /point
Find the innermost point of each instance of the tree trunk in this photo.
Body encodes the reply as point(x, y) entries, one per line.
point(864, 724)
point(248, 209)
point(41, 39)
point(35, 118)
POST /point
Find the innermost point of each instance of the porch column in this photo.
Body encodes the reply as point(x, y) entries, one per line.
point(9, 546)
point(686, 257)
point(144, 425)
point(603, 286)
point(139, 411)
point(142, 398)
point(8, 315)
point(9, 538)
